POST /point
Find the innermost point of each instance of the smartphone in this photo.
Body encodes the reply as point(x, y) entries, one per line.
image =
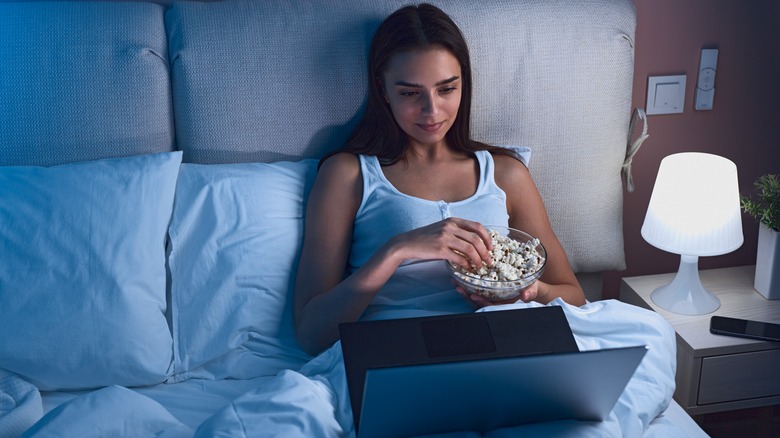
point(765, 331)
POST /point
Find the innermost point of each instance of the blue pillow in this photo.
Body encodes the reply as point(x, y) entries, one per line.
point(83, 277)
point(236, 235)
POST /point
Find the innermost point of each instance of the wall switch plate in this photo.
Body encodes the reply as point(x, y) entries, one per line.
point(665, 94)
point(705, 86)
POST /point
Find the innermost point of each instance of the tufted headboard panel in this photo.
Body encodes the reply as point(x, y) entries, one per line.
point(83, 80)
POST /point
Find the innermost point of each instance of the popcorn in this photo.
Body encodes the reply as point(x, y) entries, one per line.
point(514, 266)
point(511, 260)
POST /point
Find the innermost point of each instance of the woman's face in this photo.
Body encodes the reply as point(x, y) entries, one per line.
point(423, 89)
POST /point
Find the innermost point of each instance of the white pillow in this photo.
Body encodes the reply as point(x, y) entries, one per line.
point(82, 278)
point(235, 239)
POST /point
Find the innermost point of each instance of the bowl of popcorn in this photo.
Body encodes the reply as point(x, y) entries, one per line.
point(518, 260)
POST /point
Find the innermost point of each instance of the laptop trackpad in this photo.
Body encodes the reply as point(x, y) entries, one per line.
point(457, 336)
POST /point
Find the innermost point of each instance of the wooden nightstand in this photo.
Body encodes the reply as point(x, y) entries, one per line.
point(718, 373)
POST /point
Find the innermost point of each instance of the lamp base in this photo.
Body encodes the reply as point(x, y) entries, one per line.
point(685, 294)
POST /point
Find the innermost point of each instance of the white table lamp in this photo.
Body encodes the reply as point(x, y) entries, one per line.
point(694, 211)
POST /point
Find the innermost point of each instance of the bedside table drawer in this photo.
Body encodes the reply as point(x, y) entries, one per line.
point(739, 376)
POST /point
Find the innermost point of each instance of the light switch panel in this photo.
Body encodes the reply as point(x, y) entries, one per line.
point(705, 87)
point(665, 94)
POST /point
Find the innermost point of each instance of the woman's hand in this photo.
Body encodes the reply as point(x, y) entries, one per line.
point(530, 293)
point(462, 242)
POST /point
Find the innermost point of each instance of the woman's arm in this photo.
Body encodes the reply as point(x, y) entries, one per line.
point(323, 297)
point(527, 212)
point(330, 212)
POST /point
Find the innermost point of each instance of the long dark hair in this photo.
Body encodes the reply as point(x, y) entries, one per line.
point(407, 29)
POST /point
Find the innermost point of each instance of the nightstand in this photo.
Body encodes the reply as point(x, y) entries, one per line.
point(718, 373)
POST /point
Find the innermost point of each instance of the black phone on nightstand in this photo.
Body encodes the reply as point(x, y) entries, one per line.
point(765, 331)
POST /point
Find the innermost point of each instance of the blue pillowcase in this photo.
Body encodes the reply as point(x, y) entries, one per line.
point(236, 235)
point(83, 278)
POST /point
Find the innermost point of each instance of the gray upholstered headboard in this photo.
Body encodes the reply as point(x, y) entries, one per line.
point(245, 80)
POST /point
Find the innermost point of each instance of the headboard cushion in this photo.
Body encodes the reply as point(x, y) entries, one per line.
point(83, 80)
point(561, 83)
point(266, 81)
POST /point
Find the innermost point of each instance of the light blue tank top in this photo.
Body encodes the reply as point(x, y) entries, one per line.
point(417, 288)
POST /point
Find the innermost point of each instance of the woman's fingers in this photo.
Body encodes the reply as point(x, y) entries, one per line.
point(464, 243)
point(471, 242)
point(530, 293)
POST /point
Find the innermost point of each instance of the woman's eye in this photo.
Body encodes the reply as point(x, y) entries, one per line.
point(408, 93)
point(447, 90)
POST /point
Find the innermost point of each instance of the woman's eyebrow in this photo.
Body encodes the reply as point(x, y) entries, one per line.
point(447, 81)
point(442, 82)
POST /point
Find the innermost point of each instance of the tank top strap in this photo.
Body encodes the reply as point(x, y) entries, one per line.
point(369, 166)
point(486, 168)
point(373, 178)
point(487, 182)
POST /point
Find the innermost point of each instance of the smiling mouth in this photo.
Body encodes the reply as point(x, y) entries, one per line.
point(430, 127)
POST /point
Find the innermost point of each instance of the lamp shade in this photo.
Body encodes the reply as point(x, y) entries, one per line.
point(694, 208)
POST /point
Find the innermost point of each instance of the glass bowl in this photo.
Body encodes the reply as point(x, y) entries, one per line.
point(510, 286)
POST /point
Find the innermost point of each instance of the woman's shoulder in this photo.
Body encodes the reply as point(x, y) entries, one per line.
point(508, 166)
point(340, 171)
point(340, 162)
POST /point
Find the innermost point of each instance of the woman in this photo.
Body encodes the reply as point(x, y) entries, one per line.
point(409, 190)
point(411, 185)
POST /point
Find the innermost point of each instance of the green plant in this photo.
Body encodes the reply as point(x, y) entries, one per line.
point(765, 209)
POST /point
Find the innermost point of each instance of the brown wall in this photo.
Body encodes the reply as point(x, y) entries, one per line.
point(743, 126)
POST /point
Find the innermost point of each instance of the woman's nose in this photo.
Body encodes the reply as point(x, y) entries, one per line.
point(429, 105)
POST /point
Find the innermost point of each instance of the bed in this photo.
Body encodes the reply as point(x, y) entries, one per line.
point(155, 159)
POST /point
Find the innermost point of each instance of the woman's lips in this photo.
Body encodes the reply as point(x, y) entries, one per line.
point(430, 127)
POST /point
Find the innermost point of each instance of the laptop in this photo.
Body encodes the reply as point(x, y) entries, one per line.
point(477, 372)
